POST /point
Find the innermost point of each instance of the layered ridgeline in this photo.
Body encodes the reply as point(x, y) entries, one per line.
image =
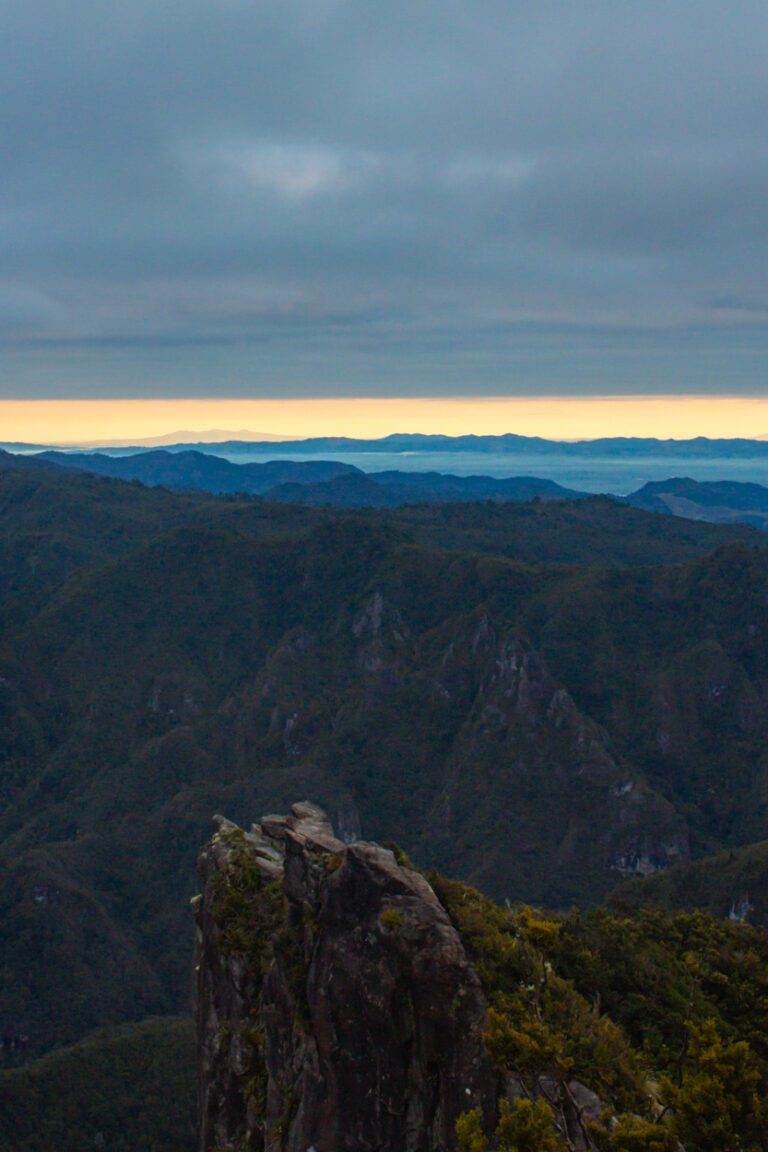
point(346, 1001)
point(545, 699)
point(331, 483)
point(320, 482)
point(509, 444)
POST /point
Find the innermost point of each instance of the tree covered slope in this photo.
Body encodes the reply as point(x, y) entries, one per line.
point(526, 696)
point(129, 1088)
point(714, 501)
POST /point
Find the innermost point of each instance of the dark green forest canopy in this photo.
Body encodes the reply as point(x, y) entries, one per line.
point(546, 699)
point(129, 1088)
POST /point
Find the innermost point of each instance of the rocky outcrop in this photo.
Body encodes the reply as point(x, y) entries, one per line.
point(529, 766)
point(337, 1008)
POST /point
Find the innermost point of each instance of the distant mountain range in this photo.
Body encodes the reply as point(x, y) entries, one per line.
point(619, 447)
point(615, 446)
point(509, 443)
point(209, 436)
point(191, 470)
point(318, 482)
point(331, 483)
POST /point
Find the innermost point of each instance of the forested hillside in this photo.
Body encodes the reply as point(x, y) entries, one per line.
point(715, 501)
point(544, 699)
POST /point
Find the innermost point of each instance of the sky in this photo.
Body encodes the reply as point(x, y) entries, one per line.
point(568, 418)
point(238, 201)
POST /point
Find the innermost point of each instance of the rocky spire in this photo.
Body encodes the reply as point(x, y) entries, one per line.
point(337, 1008)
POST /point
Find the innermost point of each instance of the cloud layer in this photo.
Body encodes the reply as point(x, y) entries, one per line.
point(309, 196)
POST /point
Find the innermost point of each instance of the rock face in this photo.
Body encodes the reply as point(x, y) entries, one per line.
point(337, 1008)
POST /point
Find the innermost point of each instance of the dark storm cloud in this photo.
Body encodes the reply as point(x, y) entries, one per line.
point(353, 197)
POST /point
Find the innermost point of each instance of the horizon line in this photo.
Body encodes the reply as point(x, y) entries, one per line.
point(69, 421)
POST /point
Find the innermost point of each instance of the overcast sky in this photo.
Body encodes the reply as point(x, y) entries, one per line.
point(378, 198)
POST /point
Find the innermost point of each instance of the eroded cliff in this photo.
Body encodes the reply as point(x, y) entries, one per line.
point(348, 1004)
point(337, 1007)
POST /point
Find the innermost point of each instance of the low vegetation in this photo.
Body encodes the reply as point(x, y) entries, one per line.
point(663, 1016)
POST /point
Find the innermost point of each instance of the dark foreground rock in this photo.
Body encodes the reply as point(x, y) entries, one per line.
point(337, 1008)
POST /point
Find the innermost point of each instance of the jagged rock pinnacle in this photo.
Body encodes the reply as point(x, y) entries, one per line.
point(337, 1008)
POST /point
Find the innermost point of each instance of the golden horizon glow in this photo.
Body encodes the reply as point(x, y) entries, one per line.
point(557, 417)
